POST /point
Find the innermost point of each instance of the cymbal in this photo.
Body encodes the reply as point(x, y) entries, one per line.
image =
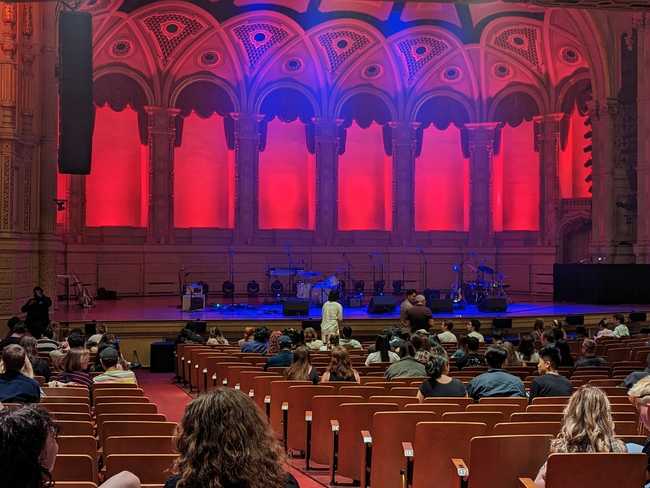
point(486, 269)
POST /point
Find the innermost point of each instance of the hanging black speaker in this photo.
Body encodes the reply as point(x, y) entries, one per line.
point(75, 92)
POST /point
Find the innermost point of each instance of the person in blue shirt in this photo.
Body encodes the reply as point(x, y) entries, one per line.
point(496, 382)
point(260, 342)
point(284, 357)
point(15, 386)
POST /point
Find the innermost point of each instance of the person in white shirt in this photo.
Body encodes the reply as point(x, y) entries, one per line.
point(447, 335)
point(620, 329)
point(408, 302)
point(604, 329)
point(473, 327)
point(332, 317)
point(382, 353)
point(346, 339)
point(312, 342)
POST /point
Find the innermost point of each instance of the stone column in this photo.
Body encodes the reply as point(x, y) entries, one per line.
point(642, 248)
point(403, 182)
point(247, 140)
point(161, 134)
point(603, 171)
point(547, 142)
point(327, 145)
point(480, 141)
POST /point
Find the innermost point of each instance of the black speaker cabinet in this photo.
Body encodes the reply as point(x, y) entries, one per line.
point(441, 306)
point(493, 304)
point(295, 306)
point(381, 304)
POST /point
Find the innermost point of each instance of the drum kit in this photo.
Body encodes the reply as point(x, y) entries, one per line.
point(304, 284)
point(488, 283)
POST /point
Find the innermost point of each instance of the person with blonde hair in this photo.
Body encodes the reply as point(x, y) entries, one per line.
point(639, 395)
point(340, 368)
point(312, 342)
point(225, 441)
point(587, 427)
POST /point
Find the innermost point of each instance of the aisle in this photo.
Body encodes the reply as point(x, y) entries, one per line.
point(171, 400)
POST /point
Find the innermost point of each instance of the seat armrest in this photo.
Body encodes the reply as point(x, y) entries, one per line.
point(527, 483)
point(367, 438)
point(407, 450)
point(461, 467)
point(308, 415)
point(335, 425)
point(285, 406)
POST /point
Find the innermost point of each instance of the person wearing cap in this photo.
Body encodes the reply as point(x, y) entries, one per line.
point(284, 357)
point(419, 316)
point(113, 371)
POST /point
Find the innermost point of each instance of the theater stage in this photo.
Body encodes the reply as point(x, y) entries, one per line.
point(139, 321)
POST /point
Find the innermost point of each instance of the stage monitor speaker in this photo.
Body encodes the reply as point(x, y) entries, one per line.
point(493, 304)
point(575, 319)
point(638, 317)
point(441, 305)
point(76, 110)
point(502, 323)
point(295, 306)
point(381, 304)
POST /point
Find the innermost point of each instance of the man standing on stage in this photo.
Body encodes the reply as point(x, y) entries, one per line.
point(408, 303)
point(37, 310)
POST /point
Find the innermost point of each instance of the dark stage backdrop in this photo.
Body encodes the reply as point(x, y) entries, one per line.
point(601, 283)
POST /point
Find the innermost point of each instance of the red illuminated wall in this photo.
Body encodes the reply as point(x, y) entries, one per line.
point(515, 191)
point(572, 159)
point(365, 181)
point(204, 175)
point(441, 182)
point(62, 186)
point(287, 178)
point(117, 189)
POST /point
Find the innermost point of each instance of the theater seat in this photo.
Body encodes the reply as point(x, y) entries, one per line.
point(74, 467)
point(488, 418)
point(299, 401)
point(150, 468)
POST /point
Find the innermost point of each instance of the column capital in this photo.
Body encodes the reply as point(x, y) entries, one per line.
point(152, 110)
point(552, 117)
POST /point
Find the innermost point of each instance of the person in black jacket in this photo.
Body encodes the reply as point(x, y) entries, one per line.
point(225, 441)
point(550, 383)
point(37, 309)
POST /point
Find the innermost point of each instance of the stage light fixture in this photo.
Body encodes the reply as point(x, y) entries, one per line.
point(253, 288)
point(277, 288)
point(359, 286)
point(378, 287)
point(228, 289)
point(398, 286)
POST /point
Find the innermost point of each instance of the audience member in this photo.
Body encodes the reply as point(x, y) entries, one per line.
point(216, 338)
point(40, 367)
point(447, 335)
point(248, 336)
point(301, 368)
point(340, 368)
point(224, 441)
point(11, 323)
point(407, 366)
point(558, 325)
point(382, 353)
point(419, 316)
point(526, 350)
point(548, 338)
point(284, 357)
point(473, 327)
point(639, 395)
point(422, 347)
point(496, 382)
point(589, 359)
point(100, 330)
point(513, 360)
point(37, 310)
point(587, 426)
point(620, 328)
point(550, 383)
point(497, 337)
point(346, 339)
point(312, 341)
point(16, 380)
point(28, 449)
point(75, 367)
point(634, 377)
point(260, 342)
point(461, 350)
point(331, 316)
point(56, 361)
point(332, 342)
point(538, 331)
point(406, 305)
point(604, 330)
point(18, 332)
point(566, 359)
point(274, 344)
point(439, 383)
point(472, 358)
point(114, 372)
point(76, 341)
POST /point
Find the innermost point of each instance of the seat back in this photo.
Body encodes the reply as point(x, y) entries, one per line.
point(353, 418)
point(502, 460)
point(126, 417)
point(437, 408)
point(67, 399)
point(488, 418)
point(325, 408)
point(561, 400)
point(150, 468)
point(596, 470)
point(389, 430)
point(76, 416)
point(527, 428)
point(118, 392)
point(262, 388)
point(462, 401)
point(246, 379)
point(233, 374)
point(437, 442)
point(139, 445)
point(77, 444)
point(74, 467)
point(536, 417)
point(279, 395)
point(411, 391)
point(299, 400)
point(126, 408)
point(66, 391)
point(364, 391)
point(521, 402)
point(66, 407)
point(547, 408)
point(400, 401)
point(111, 429)
point(121, 399)
point(504, 408)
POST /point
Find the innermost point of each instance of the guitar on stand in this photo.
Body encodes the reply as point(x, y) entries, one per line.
point(84, 299)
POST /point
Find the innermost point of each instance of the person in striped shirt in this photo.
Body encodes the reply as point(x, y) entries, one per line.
point(113, 371)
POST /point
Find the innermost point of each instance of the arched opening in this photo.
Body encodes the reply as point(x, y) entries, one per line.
point(287, 164)
point(574, 242)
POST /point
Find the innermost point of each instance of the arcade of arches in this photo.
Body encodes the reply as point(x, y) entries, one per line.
point(225, 130)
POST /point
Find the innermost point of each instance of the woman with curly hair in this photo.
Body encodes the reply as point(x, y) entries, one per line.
point(224, 441)
point(28, 450)
point(587, 427)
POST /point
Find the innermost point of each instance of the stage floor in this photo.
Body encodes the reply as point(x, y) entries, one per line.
point(165, 309)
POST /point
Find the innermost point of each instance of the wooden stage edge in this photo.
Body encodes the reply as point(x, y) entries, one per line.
point(138, 322)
